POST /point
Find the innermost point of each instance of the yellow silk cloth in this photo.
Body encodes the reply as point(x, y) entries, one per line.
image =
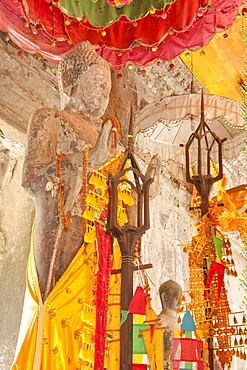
point(58, 334)
point(154, 347)
point(220, 67)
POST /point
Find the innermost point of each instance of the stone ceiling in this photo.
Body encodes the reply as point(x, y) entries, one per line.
point(28, 83)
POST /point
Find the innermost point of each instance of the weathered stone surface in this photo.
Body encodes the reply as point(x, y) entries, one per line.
point(28, 84)
point(170, 226)
point(25, 85)
point(16, 215)
point(11, 133)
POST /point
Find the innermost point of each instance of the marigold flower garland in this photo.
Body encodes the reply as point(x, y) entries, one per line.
point(64, 220)
point(210, 306)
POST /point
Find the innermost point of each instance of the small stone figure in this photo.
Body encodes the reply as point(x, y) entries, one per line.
point(169, 294)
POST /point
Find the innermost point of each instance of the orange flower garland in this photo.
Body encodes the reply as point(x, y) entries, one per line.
point(64, 220)
point(210, 307)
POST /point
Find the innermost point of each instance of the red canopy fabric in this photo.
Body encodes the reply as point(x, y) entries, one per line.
point(148, 31)
point(35, 25)
point(195, 37)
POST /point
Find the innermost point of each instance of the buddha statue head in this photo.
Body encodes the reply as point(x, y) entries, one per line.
point(169, 294)
point(84, 81)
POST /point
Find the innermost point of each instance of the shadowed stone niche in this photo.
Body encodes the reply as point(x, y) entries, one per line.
point(169, 293)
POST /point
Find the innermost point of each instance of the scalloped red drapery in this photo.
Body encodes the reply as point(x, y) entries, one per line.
point(38, 26)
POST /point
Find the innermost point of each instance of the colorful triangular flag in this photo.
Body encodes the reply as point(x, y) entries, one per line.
point(124, 315)
point(188, 323)
point(138, 302)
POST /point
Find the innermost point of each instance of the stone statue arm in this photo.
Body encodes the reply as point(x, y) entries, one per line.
point(41, 149)
point(101, 153)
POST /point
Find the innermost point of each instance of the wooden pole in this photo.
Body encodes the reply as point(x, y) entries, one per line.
point(126, 330)
point(127, 236)
point(135, 268)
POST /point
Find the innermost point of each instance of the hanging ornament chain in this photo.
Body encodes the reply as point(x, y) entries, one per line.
point(56, 186)
point(84, 189)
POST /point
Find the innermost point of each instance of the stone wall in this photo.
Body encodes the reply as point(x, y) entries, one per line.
point(16, 215)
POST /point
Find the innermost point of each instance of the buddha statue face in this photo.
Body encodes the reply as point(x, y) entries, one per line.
point(90, 94)
point(84, 81)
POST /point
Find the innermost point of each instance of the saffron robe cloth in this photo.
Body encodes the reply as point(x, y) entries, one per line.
point(58, 334)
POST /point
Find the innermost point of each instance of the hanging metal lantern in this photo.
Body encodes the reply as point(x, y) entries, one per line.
point(205, 143)
point(137, 213)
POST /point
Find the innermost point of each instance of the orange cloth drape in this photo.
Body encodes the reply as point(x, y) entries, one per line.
point(58, 334)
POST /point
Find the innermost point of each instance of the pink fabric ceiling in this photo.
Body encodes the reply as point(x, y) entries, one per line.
point(39, 27)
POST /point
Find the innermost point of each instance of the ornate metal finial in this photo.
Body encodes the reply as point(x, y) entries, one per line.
point(202, 120)
point(205, 140)
point(130, 142)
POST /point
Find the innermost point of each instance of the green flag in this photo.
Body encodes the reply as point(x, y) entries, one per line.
point(124, 315)
point(138, 341)
point(208, 263)
point(218, 243)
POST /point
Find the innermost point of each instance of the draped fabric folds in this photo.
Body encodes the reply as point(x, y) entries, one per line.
point(100, 13)
point(102, 287)
point(154, 347)
point(120, 34)
point(189, 351)
point(58, 334)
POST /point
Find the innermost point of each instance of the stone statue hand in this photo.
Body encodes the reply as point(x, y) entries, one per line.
point(105, 148)
point(153, 171)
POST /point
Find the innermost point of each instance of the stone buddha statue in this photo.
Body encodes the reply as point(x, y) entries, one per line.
point(62, 147)
point(85, 83)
